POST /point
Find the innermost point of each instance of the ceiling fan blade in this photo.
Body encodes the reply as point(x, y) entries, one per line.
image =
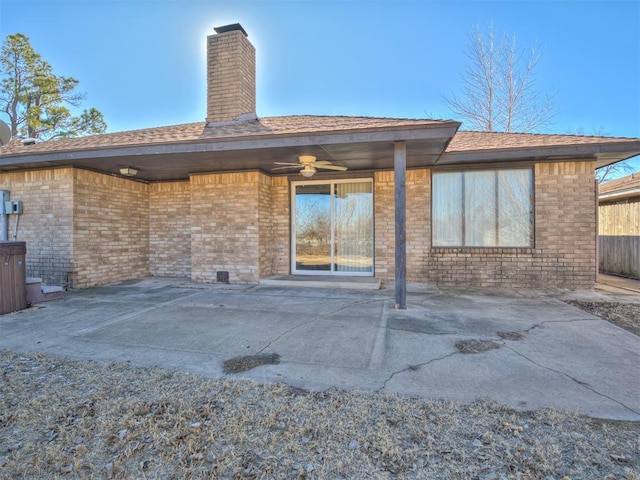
point(339, 168)
point(288, 167)
point(287, 163)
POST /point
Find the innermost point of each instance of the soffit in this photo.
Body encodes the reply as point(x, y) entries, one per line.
point(359, 145)
point(490, 147)
point(176, 166)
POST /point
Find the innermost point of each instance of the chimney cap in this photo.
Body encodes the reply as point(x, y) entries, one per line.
point(230, 28)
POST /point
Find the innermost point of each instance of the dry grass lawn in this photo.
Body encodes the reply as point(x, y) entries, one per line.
point(70, 419)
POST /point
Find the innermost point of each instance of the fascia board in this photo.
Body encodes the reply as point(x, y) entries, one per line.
point(625, 149)
point(211, 146)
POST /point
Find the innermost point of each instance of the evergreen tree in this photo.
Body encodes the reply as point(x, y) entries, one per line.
point(36, 101)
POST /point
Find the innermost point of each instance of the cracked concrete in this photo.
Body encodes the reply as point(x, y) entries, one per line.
point(579, 382)
point(570, 360)
point(565, 358)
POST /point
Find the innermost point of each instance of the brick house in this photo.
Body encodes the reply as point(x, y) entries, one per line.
point(487, 209)
point(619, 226)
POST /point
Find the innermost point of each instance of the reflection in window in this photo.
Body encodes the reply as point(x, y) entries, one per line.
point(353, 227)
point(313, 227)
point(333, 227)
point(489, 208)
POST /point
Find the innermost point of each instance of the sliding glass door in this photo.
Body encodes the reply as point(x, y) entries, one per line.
point(333, 227)
point(312, 228)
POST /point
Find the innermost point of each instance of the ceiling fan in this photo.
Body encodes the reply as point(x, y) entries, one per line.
point(308, 165)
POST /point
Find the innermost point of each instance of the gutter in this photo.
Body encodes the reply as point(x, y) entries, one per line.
point(620, 195)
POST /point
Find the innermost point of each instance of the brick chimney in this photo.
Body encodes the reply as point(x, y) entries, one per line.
point(231, 75)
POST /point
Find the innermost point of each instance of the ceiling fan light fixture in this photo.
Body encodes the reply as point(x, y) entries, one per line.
point(307, 171)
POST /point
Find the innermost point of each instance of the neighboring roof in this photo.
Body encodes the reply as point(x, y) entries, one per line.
point(625, 187)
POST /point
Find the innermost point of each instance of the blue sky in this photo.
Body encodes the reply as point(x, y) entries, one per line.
point(142, 62)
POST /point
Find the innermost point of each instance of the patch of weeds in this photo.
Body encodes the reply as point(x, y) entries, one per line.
point(624, 315)
point(476, 346)
point(297, 391)
point(511, 335)
point(248, 362)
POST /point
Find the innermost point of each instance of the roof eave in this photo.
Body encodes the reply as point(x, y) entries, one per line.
point(603, 153)
point(444, 130)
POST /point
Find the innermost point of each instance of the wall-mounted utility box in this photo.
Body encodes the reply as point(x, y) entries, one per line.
point(13, 207)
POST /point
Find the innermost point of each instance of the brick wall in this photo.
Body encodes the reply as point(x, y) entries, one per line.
point(265, 231)
point(108, 229)
point(277, 256)
point(418, 223)
point(564, 253)
point(566, 223)
point(170, 229)
point(111, 229)
point(47, 222)
point(225, 232)
point(418, 185)
point(231, 76)
point(384, 226)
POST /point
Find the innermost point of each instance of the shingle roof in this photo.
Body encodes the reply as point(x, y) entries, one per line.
point(190, 132)
point(463, 141)
point(625, 183)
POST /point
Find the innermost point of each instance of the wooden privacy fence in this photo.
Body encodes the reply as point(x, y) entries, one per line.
point(620, 254)
point(619, 237)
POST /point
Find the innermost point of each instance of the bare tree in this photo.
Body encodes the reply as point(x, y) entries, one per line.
point(613, 171)
point(499, 92)
point(609, 172)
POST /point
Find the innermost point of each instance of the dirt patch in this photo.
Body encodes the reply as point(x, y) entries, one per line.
point(476, 346)
point(70, 419)
point(511, 335)
point(624, 315)
point(249, 362)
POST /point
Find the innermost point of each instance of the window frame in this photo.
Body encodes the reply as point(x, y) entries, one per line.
point(532, 208)
point(332, 181)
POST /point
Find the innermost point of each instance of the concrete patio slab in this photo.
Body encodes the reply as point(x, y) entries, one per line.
point(323, 281)
point(545, 352)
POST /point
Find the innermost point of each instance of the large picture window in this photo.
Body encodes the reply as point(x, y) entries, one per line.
point(484, 208)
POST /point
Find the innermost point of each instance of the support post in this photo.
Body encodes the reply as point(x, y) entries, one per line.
point(597, 230)
point(4, 216)
point(400, 169)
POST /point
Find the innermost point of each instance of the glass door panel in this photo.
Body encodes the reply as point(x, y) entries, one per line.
point(353, 236)
point(333, 227)
point(313, 227)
